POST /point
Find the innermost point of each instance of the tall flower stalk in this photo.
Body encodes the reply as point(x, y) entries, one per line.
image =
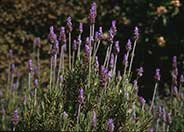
point(136, 35)
point(157, 78)
point(91, 18)
point(69, 28)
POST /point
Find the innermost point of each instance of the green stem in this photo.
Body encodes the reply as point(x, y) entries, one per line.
point(59, 70)
point(73, 59)
point(78, 50)
point(69, 36)
point(51, 67)
point(54, 70)
point(114, 69)
point(126, 65)
point(153, 98)
point(35, 99)
point(38, 62)
point(157, 125)
point(95, 50)
point(132, 57)
point(108, 56)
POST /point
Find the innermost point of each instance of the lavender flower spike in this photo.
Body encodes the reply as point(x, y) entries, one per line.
point(140, 71)
point(69, 24)
point(74, 45)
point(129, 45)
point(92, 13)
point(62, 36)
point(110, 125)
point(150, 130)
point(125, 59)
point(80, 27)
point(116, 48)
point(157, 74)
point(37, 42)
point(94, 120)
point(81, 96)
point(136, 32)
point(181, 79)
point(30, 65)
point(15, 118)
point(142, 101)
point(174, 62)
point(112, 61)
point(52, 36)
point(113, 27)
point(175, 90)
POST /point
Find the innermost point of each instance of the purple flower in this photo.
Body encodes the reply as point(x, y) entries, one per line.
point(125, 59)
point(181, 79)
point(36, 83)
point(157, 74)
point(150, 130)
point(111, 36)
point(175, 76)
point(30, 65)
point(94, 120)
point(174, 62)
point(12, 68)
point(62, 36)
point(81, 96)
point(112, 61)
point(113, 27)
point(15, 118)
point(97, 36)
point(136, 32)
point(92, 13)
point(69, 24)
point(110, 125)
point(100, 30)
point(37, 42)
point(142, 101)
point(140, 71)
point(103, 76)
point(80, 27)
point(55, 48)
point(74, 45)
point(116, 48)
point(52, 36)
point(175, 90)
point(129, 45)
point(86, 52)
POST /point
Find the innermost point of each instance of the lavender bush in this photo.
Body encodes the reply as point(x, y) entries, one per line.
point(83, 94)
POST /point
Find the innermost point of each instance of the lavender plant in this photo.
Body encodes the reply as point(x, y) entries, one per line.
point(84, 94)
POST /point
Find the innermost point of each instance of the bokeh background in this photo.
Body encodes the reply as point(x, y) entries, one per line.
point(160, 23)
